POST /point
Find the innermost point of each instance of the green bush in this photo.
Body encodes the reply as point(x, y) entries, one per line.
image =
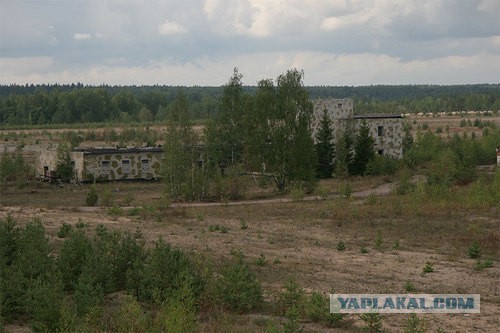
point(166, 270)
point(373, 322)
point(131, 317)
point(238, 288)
point(92, 197)
point(341, 246)
point(292, 296)
point(64, 230)
point(474, 251)
point(317, 310)
point(382, 165)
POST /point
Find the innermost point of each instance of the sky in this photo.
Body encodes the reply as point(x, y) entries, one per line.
point(200, 42)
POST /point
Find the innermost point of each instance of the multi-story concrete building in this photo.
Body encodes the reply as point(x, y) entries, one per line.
point(386, 129)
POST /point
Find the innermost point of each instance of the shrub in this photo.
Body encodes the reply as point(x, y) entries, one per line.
point(341, 246)
point(382, 165)
point(92, 196)
point(107, 198)
point(474, 251)
point(297, 194)
point(261, 260)
point(373, 322)
point(480, 265)
point(177, 314)
point(292, 296)
point(238, 288)
point(409, 286)
point(345, 190)
point(428, 268)
point(165, 271)
point(131, 317)
point(414, 325)
point(64, 230)
point(318, 310)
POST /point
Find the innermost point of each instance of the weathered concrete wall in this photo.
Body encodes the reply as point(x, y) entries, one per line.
point(390, 141)
point(118, 166)
point(46, 163)
point(341, 113)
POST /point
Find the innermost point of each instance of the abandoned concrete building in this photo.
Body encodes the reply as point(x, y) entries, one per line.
point(105, 164)
point(386, 129)
point(100, 164)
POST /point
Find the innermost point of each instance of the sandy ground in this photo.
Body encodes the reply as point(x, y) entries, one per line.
point(304, 246)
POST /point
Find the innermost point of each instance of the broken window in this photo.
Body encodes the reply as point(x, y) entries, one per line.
point(146, 168)
point(380, 131)
point(105, 168)
point(126, 166)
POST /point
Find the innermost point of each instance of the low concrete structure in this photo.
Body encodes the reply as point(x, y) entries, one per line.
point(93, 164)
point(101, 164)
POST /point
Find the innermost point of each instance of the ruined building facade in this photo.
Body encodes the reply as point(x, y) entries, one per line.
point(386, 129)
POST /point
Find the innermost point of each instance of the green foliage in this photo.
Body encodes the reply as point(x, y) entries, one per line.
point(344, 154)
point(106, 200)
point(64, 169)
point(131, 317)
point(45, 301)
point(291, 297)
point(474, 250)
point(14, 169)
point(317, 310)
point(92, 196)
point(292, 323)
point(363, 150)
point(409, 286)
point(297, 194)
point(279, 134)
point(414, 325)
point(325, 148)
point(238, 289)
point(379, 241)
point(373, 322)
point(340, 246)
point(64, 230)
point(428, 268)
point(261, 260)
point(177, 314)
point(345, 190)
point(180, 165)
point(165, 271)
point(382, 165)
point(480, 265)
point(72, 257)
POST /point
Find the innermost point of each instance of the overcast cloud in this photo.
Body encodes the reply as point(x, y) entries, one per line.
point(199, 42)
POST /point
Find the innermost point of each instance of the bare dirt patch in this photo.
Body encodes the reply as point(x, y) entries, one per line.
point(298, 239)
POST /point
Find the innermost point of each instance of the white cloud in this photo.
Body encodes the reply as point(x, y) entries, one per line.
point(81, 36)
point(171, 28)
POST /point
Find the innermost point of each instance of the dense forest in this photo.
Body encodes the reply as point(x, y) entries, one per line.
point(77, 103)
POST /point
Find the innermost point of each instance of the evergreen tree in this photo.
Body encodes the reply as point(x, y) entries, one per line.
point(325, 148)
point(344, 155)
point(363, 149)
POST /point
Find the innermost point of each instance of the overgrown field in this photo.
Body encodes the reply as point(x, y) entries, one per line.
point(137, 265)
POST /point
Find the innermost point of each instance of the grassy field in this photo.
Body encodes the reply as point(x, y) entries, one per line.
point(388, 241)
point(388, 237)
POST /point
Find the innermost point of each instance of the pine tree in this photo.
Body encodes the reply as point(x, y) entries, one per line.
point(325, 148)
point(344, 154)
point(363, 150)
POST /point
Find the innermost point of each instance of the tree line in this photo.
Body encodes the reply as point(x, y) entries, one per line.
point(70, 104)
